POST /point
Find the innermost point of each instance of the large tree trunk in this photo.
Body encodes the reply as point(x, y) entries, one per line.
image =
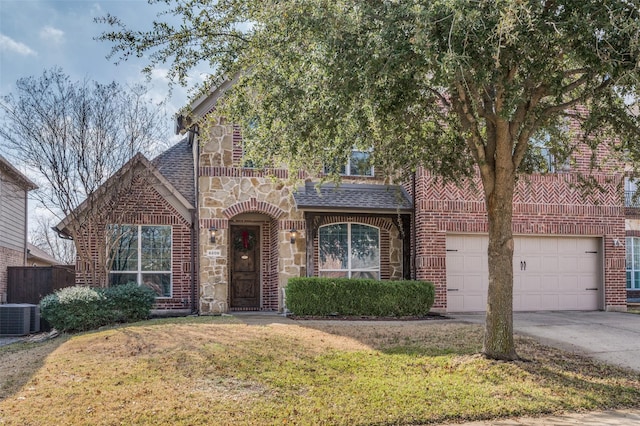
point(498, 338)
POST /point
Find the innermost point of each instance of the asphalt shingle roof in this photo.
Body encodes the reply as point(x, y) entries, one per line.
point(352, 197)
point(176, 165)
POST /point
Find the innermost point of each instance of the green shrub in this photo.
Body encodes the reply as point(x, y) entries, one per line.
point(82, 308)
point(358, 297)
point(129, 302)
point(75, 308)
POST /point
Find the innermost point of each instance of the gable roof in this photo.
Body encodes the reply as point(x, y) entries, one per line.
point(166, 189)
point(203, 105)
point(20, 178)
point(352, 197)
point(176, 164)
point(35, 252)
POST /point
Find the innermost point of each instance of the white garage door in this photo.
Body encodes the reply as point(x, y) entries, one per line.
point(550, 273)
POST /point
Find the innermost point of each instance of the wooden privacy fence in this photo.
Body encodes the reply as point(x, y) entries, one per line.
point(29, 284)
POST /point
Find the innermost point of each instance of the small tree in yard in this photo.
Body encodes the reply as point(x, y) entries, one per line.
point(449, 85)
point(75, 135)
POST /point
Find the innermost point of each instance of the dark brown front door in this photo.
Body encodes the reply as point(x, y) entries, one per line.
point(245, 267)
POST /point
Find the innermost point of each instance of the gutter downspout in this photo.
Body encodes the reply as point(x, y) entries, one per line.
point(194, 260)
point(414, 249)
point(26, 226)
point(195, 227)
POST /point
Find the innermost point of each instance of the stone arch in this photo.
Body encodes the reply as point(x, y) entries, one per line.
point(252, 205)
point(254, 212)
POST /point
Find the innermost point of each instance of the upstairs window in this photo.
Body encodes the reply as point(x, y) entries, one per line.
point(358, 164)
point(545, 156)
point(630, 190)
point(349, 250)
point(140, 254)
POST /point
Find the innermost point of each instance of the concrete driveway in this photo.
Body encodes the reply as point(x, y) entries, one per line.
point(612, 337)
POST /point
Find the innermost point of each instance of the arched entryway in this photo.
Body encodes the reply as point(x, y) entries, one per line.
point(253, 262)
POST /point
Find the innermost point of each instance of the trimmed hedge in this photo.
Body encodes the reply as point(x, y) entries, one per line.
point(358, 297)
point(82, 308)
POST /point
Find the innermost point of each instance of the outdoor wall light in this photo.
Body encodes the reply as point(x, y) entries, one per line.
point(212, 234)
point(292, 234)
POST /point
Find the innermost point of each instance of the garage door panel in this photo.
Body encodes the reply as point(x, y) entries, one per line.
point(527, 303)
point(549, 284)
point(588, 265)
point(468, 303)
point(549, 263)
point(548, 302)
point(557, 273)
point(530, 284)
point(569, 264)
point(473, 263)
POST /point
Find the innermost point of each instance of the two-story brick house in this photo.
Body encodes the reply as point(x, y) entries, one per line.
point(240, 233)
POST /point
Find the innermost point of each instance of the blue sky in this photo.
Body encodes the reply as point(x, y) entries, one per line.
point(39, 34)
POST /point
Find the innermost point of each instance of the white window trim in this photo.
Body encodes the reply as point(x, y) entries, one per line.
point(629, 247)
point(630, 189)
point(349, 269)
point(139, 273)
point(347, 169)
point(347, 166)
point(553, 166)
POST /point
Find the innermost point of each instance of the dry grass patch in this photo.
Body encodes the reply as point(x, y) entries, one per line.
point(217, 371)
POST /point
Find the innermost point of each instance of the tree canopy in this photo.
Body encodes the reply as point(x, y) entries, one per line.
point(74, 135)
point(449, 85)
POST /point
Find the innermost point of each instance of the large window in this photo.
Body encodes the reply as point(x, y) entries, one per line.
point(544, 156)
point(358, 164)
point(631, 196)
point(349, 250)
point(633, 262)
point(140, 254)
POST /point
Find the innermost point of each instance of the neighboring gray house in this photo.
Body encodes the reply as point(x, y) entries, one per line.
point(14, 187)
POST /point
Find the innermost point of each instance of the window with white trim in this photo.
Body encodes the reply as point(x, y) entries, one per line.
point(631, 196)
point(140, 254)
point(349, 250)
point(544, 156)
point(633, 262)
point(358, 164)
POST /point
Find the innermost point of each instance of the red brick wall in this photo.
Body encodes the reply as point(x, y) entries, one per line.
point(543, 205)
point(8, 257)
point(145, 206)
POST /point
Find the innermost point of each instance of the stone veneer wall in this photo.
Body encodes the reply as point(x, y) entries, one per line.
point(222, 200)
point(228, 193)
point(543, 205)
point(8, 257)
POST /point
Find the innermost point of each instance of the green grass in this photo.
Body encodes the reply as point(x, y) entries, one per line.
point(193, 371)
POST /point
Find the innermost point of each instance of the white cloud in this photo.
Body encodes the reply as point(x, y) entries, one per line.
point(160, 75)
point(96, 10)
point(9, 44)
point(52, 34)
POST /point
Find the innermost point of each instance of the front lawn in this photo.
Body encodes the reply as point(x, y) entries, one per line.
point(209, 370)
